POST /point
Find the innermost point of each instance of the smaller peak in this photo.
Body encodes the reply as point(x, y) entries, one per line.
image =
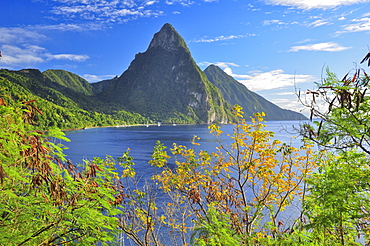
point(213, 67)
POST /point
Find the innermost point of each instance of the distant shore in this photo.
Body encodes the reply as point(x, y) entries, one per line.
point(123, 126)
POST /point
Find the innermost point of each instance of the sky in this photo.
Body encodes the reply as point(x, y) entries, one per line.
point(274, 47)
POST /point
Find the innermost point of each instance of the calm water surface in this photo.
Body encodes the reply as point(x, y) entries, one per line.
point(113, 141)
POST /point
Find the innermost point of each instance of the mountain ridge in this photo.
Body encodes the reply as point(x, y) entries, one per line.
point(161, 84)
point(236, 93)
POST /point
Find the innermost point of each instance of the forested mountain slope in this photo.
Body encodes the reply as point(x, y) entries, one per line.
point(236, 93)
point(57, 109)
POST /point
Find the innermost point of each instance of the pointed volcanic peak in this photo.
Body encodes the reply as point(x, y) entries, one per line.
point(236, 93)
point(165, 84)
point(168, 39)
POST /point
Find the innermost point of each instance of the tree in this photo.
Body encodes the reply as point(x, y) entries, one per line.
point(337, 206)
point(46, 200)
point(342, 108)
point(248, 185)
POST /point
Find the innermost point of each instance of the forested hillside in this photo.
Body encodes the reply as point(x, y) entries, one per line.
point(59, 110)
point(69, 80)
point(236, 93)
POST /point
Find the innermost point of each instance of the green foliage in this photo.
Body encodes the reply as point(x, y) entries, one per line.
point(338, 205)
point(44, 199)
point(69, 80)
point(214, 230)
point(58, 110)
point(342, 108)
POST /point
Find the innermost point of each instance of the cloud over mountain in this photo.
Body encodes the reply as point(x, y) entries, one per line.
point(314, 4)
point(275, 79)
point(328, 46)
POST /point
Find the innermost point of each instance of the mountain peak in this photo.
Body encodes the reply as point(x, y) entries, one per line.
point(168, 39)
point(165, 84)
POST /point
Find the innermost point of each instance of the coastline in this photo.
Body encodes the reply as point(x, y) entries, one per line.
point(123, 126)
point(162, 124)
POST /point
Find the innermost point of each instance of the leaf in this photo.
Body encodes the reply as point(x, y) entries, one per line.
point(367, 57)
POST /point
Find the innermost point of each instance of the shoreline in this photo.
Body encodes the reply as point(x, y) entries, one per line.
point(163, 124)
point(125, 126)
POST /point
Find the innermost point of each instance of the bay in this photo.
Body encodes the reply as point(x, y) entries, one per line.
point(114, 141)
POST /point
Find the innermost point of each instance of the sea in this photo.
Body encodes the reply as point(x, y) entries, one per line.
point(140, 140)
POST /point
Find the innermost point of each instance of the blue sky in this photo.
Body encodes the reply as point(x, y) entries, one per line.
point(271, 46)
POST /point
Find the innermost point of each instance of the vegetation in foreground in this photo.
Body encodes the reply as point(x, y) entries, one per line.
point(238, 195)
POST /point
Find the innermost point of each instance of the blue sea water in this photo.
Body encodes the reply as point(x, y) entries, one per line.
point(114, 141)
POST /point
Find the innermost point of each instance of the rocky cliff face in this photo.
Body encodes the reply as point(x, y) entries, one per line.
point(165, 83)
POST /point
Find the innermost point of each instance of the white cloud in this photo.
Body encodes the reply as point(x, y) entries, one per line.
point(71, 27)
point(25, 55)
point(106, 11)
point(19, 46)
point(273, 22)
point(291, 103)
point(96, 78)
point(13, 35)
point(19, 55)
point(219, 64)
point(150, 2)
point(229, 71)
point(304, 41)
point(318, 23)
point(360, 25)
point(225, 64)
point(314, 4)
point(288, 93)
point(71, 57)
point(182, 2)
point(221, 38)
point(328, 46)
point(259, 81)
